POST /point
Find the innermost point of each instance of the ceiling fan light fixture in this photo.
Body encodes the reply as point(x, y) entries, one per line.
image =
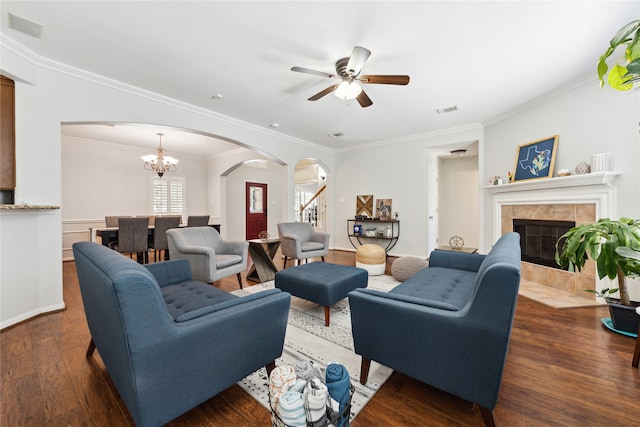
point(348, 90)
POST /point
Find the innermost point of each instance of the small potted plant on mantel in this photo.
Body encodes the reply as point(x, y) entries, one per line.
point(613, 245)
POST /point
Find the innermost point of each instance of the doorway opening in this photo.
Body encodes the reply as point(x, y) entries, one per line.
point(310, 203)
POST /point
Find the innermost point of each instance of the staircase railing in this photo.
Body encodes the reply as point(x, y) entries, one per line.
point(311, 200)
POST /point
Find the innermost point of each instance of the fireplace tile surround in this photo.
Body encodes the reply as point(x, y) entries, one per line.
point(575, 283)
point(579, 198)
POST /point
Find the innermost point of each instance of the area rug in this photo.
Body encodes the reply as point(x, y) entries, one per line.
point(307, 339)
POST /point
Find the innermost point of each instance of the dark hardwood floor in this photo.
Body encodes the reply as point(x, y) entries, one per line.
point(563, 369)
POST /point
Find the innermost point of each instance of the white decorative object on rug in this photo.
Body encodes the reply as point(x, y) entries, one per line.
point(307, 339)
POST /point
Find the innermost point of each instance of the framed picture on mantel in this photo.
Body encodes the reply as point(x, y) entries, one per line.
point(536, 159)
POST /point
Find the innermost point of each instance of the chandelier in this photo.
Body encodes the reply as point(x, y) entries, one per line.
point(159, 163)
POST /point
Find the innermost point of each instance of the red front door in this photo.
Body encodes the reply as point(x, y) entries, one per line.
point(256, 209)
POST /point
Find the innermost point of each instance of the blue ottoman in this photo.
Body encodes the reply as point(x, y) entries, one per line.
point(321, 282)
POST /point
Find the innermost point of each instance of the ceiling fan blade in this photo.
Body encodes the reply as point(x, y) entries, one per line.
point(385, 80)
point(314, 72)
point(323, 92)
point(364, 100)
point(357, 59)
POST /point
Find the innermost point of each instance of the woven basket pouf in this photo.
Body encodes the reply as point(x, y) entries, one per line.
point(371, 258)
point(405, 267)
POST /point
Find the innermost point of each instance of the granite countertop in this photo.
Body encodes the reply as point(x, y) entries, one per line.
point(27, 207)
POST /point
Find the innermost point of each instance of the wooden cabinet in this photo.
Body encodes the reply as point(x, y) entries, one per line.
point(7, 135)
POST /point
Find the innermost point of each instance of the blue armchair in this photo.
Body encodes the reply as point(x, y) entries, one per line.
point(169, 342)
point(448, 326)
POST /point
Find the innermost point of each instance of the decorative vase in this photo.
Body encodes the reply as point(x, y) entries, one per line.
point(583, 168)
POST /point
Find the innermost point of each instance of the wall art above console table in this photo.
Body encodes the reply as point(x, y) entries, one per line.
point(362, 231)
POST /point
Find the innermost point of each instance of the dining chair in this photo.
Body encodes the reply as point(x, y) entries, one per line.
point(133, 237)
point(159, 244)
point(197, 220)
point(112, 221)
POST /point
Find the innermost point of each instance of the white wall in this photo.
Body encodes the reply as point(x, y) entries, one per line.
point(49, 94)
point(458, 206)
point(236, 197)
point(100, 179)
point(397, 171)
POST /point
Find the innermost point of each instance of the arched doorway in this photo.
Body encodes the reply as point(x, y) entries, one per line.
point(310, 202)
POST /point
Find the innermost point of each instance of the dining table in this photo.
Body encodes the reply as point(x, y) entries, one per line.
point(109, 235)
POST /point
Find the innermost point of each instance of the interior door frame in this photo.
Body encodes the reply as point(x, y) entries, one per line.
point(249, 229)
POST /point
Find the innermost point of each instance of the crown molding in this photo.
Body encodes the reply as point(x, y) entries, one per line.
point(40, 61)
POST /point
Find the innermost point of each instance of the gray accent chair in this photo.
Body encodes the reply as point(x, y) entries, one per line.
point(299, 241)
point(133, 238)
point(167, 341)
point(197, 220)
point(160, 244)
point(448, 326)
point(211, 258)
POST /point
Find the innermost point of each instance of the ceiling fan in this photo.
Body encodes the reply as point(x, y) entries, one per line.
point(348, 70)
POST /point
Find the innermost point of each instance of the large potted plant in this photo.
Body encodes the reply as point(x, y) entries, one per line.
point(625, 73)
point(612, 245)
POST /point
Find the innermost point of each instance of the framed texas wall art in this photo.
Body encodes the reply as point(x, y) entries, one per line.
point(535, 160)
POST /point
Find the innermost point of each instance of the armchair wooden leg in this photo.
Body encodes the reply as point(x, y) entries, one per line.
point(285, 263)
point(327, 314)
point(364, 370)
point(487, 416)
point(322, 258)
point(239, 279)
point(270, 367)
point(91, 348)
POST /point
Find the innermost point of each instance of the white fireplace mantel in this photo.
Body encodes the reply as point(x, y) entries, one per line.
point(588, 179)
point(594, 188)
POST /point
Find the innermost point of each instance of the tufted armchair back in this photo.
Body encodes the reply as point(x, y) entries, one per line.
point(210, 257)
point(299, 240)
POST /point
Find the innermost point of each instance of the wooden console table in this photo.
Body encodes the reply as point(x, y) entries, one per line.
point(262, 252)
point(390, 232)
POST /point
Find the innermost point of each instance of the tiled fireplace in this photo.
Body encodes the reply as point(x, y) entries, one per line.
point(580, 214)
point(580, 199)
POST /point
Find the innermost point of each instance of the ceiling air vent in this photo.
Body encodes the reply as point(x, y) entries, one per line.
point(24, 26)
point(447, 110)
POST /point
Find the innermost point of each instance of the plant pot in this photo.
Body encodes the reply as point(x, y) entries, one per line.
point(624, 317)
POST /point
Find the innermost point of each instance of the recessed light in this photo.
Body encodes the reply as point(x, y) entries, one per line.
point(274, 125)
point(217, 96)
point(336, 134)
